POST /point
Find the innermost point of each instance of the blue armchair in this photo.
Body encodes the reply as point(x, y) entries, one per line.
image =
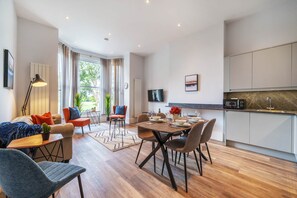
point(21, 177)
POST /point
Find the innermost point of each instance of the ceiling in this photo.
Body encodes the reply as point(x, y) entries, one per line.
point(135, 26)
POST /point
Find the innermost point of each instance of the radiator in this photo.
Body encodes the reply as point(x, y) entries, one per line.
point(39, 99)
point(137, 97)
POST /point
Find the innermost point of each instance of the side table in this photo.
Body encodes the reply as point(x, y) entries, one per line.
point(35, 142)
point(94, 116)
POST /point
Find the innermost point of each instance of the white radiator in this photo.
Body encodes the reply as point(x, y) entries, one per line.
point(137, 97)
point(39, 99)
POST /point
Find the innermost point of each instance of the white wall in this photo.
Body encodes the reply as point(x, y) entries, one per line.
point(201, 53)
point(8, 29)
point(36, 43)
point(133, 69)
point(268, 28)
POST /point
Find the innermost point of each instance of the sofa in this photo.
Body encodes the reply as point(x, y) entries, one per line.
point(66, 130)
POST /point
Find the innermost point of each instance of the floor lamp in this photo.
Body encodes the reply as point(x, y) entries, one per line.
point(36, 82)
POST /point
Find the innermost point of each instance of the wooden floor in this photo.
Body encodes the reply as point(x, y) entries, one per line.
point(234, 173)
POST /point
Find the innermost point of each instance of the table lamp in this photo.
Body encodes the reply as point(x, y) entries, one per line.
point(36, 82)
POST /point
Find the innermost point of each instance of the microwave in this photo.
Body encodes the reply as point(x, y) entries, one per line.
point(234, 103)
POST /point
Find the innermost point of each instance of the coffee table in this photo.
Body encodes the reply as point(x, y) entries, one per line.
point(35, 143)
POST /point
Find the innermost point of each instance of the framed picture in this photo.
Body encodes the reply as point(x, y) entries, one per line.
point(191, 82)
point(8, 70)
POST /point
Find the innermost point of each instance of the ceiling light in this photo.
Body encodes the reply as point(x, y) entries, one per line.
point(147, 1)
point(67, 17)
point(109, 34)
point(178, 25)
point(139, 46)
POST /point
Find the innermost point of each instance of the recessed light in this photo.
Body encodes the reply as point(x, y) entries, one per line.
point(178, 25)
point(67, 17)
point(147, 1)
point(109, 34)
point(139, 46)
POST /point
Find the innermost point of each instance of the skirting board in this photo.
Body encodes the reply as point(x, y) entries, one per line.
point(278, 154)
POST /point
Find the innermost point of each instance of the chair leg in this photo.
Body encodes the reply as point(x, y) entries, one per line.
point(200, 158)
point(80, 187)
point(89, 127)
point(196, 161)
point(185, 167)
point(175, 158)
point(208, 152)
point(138, 151)
point(179, 158)
point(82, 129)
point(53, 195)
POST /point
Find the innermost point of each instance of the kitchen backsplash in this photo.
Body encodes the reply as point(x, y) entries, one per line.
point(282, 100)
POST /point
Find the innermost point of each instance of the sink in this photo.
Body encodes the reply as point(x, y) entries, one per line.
point(271, 110)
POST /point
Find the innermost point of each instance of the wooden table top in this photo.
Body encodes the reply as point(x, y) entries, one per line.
point(162, 127)
point(33, 141)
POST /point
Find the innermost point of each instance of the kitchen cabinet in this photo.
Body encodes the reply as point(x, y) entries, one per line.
point(226, 74)
point(238, 126)
point(272, 67)
point(240, 71)
point(294, 64)
point(273, 131)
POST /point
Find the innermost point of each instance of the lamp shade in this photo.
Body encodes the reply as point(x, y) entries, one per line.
point(38, 81)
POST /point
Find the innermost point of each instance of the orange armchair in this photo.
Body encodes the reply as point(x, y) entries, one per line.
point(79, 122)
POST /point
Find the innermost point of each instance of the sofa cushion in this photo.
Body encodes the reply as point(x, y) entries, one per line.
point(74, 113)
point(10, 131)
point(44, 119)
point(34, 119)
point(80, 122)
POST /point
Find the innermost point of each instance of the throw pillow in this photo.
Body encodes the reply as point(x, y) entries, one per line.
point(74, 113)
point(120, 110)
point(34, 119)
point(47, 118)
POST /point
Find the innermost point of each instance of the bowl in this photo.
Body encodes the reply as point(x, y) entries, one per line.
point(156, 118)
point(194, 119)
point(180, 122)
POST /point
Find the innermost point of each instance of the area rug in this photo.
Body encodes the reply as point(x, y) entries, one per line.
point(115, 139)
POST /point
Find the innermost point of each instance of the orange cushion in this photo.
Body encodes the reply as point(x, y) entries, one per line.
point(34, 120)
point(80, 122)
point(45, 118)
point(117, 116)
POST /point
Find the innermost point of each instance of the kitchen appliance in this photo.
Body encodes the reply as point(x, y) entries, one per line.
point(234, 103)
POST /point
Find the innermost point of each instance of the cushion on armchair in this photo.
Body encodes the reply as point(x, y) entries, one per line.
point(74, 113)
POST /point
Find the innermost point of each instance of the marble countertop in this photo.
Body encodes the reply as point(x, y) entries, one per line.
point(274, 111)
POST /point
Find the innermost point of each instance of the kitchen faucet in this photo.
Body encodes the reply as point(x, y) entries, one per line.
point(270, 107)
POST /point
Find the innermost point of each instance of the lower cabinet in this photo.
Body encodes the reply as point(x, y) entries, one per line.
point(272, 131)
point(267, 130)
point(238, 126)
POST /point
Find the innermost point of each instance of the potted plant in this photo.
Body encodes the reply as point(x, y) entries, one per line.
point(46, 130)
point(107, 106)
point(78, 101)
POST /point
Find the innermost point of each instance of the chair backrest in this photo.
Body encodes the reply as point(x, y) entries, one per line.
point(66, 112)
point(162, 115)
point(20, 176)
point(207, 131)
point(193, 138)
point(142, 118)
point(114, 109)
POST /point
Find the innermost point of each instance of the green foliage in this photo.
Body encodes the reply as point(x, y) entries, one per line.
point(107, 104)
point(46, 128)
point(78, 101)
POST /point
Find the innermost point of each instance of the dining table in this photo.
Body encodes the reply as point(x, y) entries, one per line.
point(167, 130)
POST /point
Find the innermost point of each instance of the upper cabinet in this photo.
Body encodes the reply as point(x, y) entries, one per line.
point(272, 68)
point(294, 64)
point(240, 72)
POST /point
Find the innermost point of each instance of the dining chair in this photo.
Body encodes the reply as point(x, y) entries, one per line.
point(206, 135)
point(20, 176)
point(145, 135)
point(187, 145)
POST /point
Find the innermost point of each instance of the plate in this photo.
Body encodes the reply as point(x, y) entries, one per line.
point(181, 125)
point(160, 120)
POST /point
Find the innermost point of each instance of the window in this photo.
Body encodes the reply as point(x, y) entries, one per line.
point(90, 84)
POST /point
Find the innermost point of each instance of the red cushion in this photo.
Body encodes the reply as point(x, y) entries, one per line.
point(45, 119)
point(117, 116)
point(34, 119)
point(80, 122)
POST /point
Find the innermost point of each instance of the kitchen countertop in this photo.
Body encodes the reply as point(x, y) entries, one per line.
point(274, 111)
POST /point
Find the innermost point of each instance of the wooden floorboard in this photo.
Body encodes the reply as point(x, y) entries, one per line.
point(234, 173)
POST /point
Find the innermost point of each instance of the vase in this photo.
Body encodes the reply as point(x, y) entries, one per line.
point(175, 117)
point(45, 136)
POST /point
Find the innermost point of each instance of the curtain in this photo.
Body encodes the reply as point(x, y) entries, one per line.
point(116, 81)
point(69, 70)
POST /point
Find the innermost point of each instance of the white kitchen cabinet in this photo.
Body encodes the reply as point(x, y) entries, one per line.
point(240, 67)
point(272, 131)
point(294, 64)
point(238, 126)
point(226, 74)
point(272, 67)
